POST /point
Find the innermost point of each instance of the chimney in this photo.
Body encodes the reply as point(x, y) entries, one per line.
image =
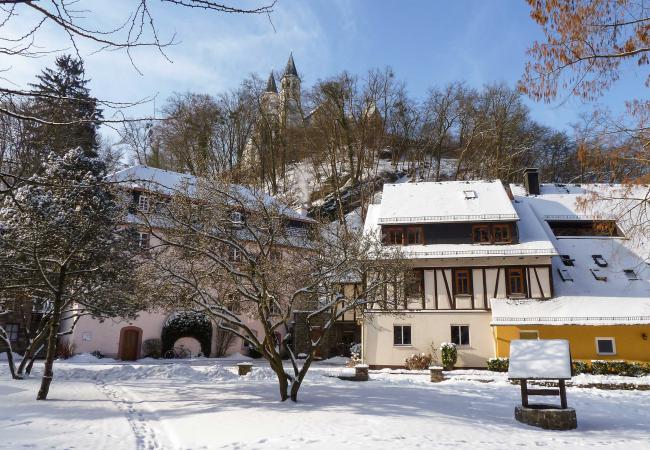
point(531, 180)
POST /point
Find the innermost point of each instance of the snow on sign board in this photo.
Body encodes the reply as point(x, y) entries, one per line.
point(540, 359)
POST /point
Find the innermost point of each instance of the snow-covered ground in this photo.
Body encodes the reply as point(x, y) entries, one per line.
point(204, 404)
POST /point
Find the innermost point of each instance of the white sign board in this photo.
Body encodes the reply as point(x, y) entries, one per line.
point(540, 359)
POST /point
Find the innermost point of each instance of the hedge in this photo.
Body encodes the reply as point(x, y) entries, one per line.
point(595, 366)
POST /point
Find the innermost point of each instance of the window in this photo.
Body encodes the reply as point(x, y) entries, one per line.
point(275, 255)
point(234, 254)
point(12, 330)
point(392, 236)
point(516, 282)
point(414, 236)
point(402, 335)
point(233, 304)
point(631, 274)
point(144, 240)
point(598, 274)
point(481, 234)
point(470, 194)
point(462, 282)
point(605, 346)
point(565, 275)
point(599, 260)
point(529, 334)
point(567, 260)
point(414, 281)
point(143, 203)
point(501, 233)
point(460, 334)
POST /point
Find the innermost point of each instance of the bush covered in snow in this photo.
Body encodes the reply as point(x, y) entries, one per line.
point(152, 348)
point(418, 361)
point(449, 355)
point(498, 364)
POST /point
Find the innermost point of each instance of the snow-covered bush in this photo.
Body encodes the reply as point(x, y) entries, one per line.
point(448, 354)
point(354, 361)
point(355, 348)
point(419, 361)
point(498, 364)
point(152, 348)
point(97, 354)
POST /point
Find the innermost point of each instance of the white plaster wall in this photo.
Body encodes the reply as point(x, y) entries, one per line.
point(426, 328)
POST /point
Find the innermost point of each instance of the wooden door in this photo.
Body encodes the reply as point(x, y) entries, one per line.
point(130, 339)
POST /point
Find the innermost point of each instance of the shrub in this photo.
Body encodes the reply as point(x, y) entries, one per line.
point(354, 360)
point(152, 348)
point(254, 353)
point(617, 367)
point(498, 364)
point(418, 361)
point(64, 349)
point(449, 355)
point(579, 367)
point(97, 354)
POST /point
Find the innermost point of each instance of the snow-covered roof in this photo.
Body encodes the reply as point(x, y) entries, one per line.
point(572, 310)
point(446, 201)
point(621, 254)
point(533, 241)
point(166, 182)
point(540, 359)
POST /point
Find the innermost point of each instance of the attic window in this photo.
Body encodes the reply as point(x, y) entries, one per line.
point(631, 274)
point(567, 260)
point(598, 274)
point(599, 260)
point(143, 203)
point(565, 275)
point(470, 194)
point(584, 228)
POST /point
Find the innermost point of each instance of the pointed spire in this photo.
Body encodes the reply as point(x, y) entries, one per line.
point(270, 85)
point(291, 67)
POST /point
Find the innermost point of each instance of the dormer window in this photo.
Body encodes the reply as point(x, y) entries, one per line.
point(143, 203)
point(501, 234)
point(598, 274)
point(599, 260)
point(567, 260)
point(481, 234)
point(584, 228)
point(631, 274)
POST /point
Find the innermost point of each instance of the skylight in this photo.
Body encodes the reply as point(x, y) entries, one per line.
point(598, 274)
point(631, 274)
point(567, 260)
point(599, 260)
point(470, 194)
point(565, 275)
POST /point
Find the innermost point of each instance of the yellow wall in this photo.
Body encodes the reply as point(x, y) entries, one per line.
point(630, 344)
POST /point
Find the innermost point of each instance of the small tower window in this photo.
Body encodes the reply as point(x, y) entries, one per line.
point(599, 260)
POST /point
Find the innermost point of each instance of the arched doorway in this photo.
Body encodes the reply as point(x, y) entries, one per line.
point(130, 343)
point(187, 325)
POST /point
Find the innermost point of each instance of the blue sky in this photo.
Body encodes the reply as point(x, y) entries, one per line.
point(427, 43)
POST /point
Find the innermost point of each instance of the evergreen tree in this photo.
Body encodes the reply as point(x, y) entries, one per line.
point(62, 249)
point(63, 100)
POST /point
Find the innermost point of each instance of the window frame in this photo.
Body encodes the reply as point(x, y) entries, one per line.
point(460, 335)
point(613, 340)
point(13, 334)
point(405, 235)
point(502, 226)
point(524, 286)
point(456, 291)
point(144, 203)
point(488, 233)
point(529, 331)
point(391, 230)
point(142, 240)
point(401, 334)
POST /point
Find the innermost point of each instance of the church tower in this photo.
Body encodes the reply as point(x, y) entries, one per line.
point(290, 106)
point(270, 97)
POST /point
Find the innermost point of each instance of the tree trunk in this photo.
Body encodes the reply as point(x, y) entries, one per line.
point(48, 372)
point(283, 380)
point(295, 386)
point(31, 352)
point(12, 364)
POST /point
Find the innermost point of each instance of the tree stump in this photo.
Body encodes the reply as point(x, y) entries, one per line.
point(244, 368)
point(361, 372)
point(436, 374)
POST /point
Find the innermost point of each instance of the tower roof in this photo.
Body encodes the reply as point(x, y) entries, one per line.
point(270, 85)
point(291, 67)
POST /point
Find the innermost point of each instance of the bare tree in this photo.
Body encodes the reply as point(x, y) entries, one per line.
point(222, 239)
